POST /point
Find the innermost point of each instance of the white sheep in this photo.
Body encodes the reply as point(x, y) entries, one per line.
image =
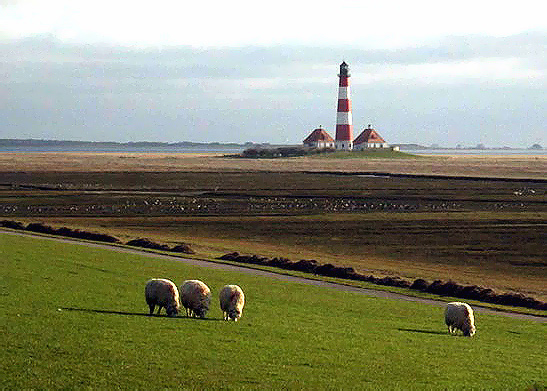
point(459, 316)
point(163, 293)
point(232, 301)
point(195, 296)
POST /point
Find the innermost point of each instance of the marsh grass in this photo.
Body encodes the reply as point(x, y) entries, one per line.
point(521, 166)
point(74, 317)
point(386, 153)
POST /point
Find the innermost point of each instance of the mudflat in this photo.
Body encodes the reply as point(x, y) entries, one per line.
point(471, 219)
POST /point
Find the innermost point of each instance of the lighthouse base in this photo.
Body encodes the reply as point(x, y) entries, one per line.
point(344, 145)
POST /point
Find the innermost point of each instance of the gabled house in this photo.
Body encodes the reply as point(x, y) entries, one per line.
point(319, 139)
point(369, 138)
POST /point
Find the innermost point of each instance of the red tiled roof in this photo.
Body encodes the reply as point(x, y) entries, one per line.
point(369, 136)
point(318, 135)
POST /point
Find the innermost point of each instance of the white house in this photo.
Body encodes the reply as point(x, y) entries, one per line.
point(369, 138)
point(319, 139)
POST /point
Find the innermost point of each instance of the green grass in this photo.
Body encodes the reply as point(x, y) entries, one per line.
point(75, 317)
point(386, 153)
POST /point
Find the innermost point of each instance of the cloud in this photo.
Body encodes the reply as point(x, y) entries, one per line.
point(240, 23)
point(459, 89)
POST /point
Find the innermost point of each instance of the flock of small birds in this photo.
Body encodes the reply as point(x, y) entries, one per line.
point(254, 204)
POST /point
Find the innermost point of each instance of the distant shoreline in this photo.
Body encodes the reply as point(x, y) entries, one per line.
point(14, 145)
point(34, 145)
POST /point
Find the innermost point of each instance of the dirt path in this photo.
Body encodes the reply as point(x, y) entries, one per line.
point(278, 276)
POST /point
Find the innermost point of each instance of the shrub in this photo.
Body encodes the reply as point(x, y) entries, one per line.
point(41, 228)
point(420, 284)
point(147, 243)
point(183, 248)
point(11, 224)
point(272, 153)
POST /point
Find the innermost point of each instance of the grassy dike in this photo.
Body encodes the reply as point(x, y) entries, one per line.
point(386, 153)
point(75, 317)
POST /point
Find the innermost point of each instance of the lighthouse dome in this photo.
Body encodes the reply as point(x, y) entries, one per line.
point(344, 69)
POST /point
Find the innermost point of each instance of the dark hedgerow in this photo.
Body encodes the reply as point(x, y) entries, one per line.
point(41, 228)
point(147, 243)
point(448, 288)
point(98, 237)
point(67, 232)
point(76, 233)
point(11, 224)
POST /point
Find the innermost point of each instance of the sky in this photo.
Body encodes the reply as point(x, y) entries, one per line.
point(427, 72)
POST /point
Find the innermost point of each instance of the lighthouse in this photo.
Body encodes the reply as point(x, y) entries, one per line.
point(344, 126)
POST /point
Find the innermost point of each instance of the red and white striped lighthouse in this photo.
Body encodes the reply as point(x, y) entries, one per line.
point(344, 126)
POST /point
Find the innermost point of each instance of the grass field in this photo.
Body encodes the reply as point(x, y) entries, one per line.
point(75, 317)
point(368, 154)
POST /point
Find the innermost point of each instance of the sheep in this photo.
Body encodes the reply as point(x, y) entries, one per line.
point(163, 293)
point(195, 296)
point(459, 316)
point(232, 301)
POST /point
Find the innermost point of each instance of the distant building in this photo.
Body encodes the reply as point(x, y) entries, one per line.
point(369, 138)
point(344, 124)
point(319, 139)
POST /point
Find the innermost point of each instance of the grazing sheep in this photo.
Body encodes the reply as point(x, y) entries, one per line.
point(195, 296)
point(459, 316)
point(163, 293)
point(232, 301)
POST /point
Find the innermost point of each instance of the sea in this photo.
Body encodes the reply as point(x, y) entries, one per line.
point(238, 149)
point(486, 152)
point(119, 149)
